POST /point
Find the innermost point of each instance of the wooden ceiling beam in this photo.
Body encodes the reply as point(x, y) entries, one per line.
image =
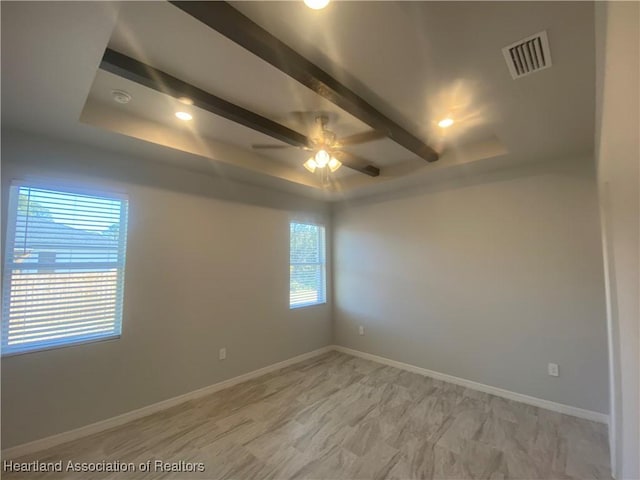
point(356, 163)
point(226, 20)
point(136, 71)
point(148, 76)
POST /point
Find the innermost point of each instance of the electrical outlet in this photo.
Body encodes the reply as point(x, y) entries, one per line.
point(222, 355)
point(360, 330)
point(553, 369)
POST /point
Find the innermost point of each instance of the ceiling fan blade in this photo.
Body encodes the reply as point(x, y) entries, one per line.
point(357, 163)
point(363, 137)
point(271, 147)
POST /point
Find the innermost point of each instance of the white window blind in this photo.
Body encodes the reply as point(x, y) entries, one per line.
point(63, 273)
point(307, 280)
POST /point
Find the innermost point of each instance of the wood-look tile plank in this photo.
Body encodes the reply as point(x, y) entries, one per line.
point(340, 417)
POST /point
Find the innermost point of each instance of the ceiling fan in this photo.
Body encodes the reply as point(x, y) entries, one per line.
point(327, 149)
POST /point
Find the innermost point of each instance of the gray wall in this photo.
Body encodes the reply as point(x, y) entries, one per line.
point(488, 279)
point(207, 267)
point(618, 154)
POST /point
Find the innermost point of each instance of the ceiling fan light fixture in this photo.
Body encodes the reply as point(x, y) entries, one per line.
point(334, 164)
point(322, 158)
point(310, 165)
point(316, 4)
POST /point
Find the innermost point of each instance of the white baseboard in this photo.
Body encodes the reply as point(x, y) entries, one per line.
point(518, 397)
point(52, 441)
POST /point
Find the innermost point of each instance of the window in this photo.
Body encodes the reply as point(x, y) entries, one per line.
point(63, 268)
point(307, 282)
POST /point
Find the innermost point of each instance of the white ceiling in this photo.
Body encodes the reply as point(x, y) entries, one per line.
point(416, 62)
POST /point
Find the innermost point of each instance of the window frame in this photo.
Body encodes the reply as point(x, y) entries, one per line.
point(7, 253)
point(322, 263)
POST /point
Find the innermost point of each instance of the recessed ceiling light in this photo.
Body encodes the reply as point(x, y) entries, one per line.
point(316, 4)
point(185, 100)
point(184, 116)
point(121, 96)
point(445, 122)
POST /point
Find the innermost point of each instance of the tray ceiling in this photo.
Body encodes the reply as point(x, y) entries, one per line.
point(415, 62)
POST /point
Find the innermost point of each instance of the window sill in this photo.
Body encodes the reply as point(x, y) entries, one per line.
point(306, 305)
point(62, 345)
